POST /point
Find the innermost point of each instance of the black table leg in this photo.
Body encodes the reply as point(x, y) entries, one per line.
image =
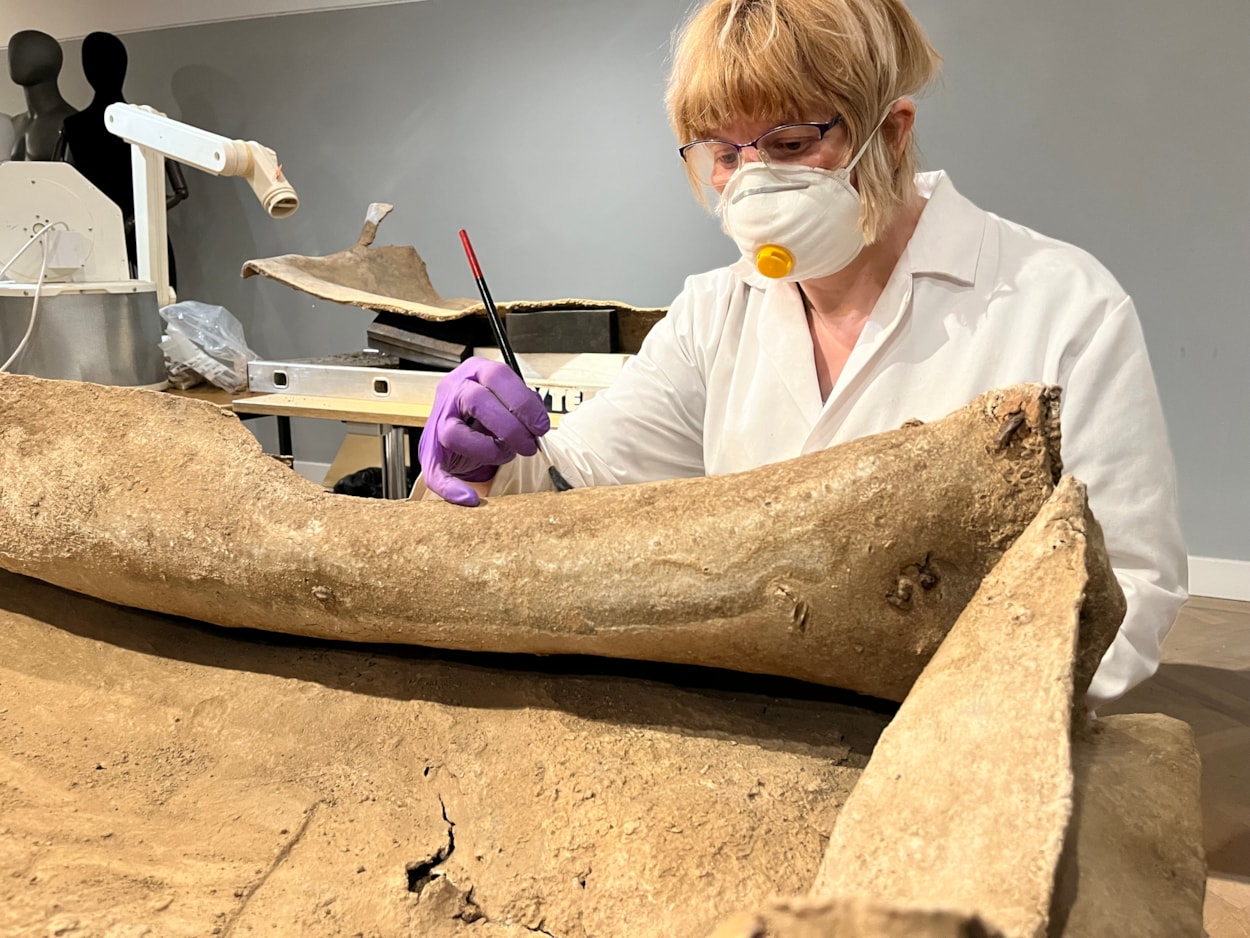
point(285, 446)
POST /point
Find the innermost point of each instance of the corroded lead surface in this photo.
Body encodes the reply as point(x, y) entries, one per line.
point(968, 795)
point(851, 918)
point(1132, 863)
point(845, 567)
point(585, 815)
point(161, 778)
point(977, 800)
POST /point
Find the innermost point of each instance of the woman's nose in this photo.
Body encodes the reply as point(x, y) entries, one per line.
point(749, 154)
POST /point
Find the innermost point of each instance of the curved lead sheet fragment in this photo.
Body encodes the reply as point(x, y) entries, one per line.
point(394, 279)
point(966, 801)
point(845, 567)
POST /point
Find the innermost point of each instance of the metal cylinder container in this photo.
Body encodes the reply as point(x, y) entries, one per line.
point(85, 334)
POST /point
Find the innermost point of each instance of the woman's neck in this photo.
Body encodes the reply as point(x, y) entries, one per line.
point(852, 292)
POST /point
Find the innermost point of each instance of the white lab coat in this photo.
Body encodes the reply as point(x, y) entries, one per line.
point(727, 382)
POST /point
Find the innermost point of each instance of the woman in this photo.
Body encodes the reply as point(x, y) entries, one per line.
point(866, 295)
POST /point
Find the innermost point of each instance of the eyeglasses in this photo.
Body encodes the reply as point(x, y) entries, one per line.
point(714, 161)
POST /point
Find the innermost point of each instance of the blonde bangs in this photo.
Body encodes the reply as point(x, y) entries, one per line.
point(754, 72)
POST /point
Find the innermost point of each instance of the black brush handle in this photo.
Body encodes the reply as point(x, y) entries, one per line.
point(492, 312)
point(501, 338)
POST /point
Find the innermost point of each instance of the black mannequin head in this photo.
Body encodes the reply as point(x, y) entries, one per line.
point(34, 58)
point(104, 63)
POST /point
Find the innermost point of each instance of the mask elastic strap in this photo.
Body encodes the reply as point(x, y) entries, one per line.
point(850, 166)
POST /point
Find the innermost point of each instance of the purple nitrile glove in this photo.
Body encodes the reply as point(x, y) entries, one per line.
point(483, 417)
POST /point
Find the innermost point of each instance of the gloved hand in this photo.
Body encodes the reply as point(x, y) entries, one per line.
point(483, 417)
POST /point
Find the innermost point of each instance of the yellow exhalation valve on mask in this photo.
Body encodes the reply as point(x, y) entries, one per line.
point(772, 260)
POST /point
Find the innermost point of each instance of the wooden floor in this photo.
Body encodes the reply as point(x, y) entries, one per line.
point(1205, 681)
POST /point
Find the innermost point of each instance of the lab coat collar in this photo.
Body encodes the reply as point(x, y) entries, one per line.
point(946, 242)
point(782, 334)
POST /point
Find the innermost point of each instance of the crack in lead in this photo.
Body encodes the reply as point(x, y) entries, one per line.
point(421, 874)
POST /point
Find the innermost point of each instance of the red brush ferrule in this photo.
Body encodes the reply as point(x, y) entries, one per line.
point(468, 250)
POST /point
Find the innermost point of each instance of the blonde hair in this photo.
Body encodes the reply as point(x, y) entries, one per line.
point(801, 60)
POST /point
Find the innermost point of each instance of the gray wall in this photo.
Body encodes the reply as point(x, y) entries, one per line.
point(538, 126)
point(1122, 126)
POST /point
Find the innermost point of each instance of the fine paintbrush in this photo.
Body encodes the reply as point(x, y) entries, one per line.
point(496, 324)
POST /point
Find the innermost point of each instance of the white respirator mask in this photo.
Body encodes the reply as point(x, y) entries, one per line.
point(795, 222)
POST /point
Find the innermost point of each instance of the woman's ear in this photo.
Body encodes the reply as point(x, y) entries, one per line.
point(898, 127)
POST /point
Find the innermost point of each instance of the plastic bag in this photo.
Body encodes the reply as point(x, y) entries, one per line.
point(208, 340)
point(179, 374)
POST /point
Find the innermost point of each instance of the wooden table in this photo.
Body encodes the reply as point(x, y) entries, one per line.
point(386, 413)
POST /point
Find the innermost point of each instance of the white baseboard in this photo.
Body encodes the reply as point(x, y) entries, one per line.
point(312, 471)
point(1219, 579)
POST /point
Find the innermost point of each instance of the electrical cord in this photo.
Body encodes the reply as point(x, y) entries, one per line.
point(41, 236)
point(41, 233)
point(34, 314)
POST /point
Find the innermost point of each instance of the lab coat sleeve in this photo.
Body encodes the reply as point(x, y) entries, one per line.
point(647, 426)
point(1115, 441)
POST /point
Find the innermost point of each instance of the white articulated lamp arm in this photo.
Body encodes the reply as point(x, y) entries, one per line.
point(154, 138)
